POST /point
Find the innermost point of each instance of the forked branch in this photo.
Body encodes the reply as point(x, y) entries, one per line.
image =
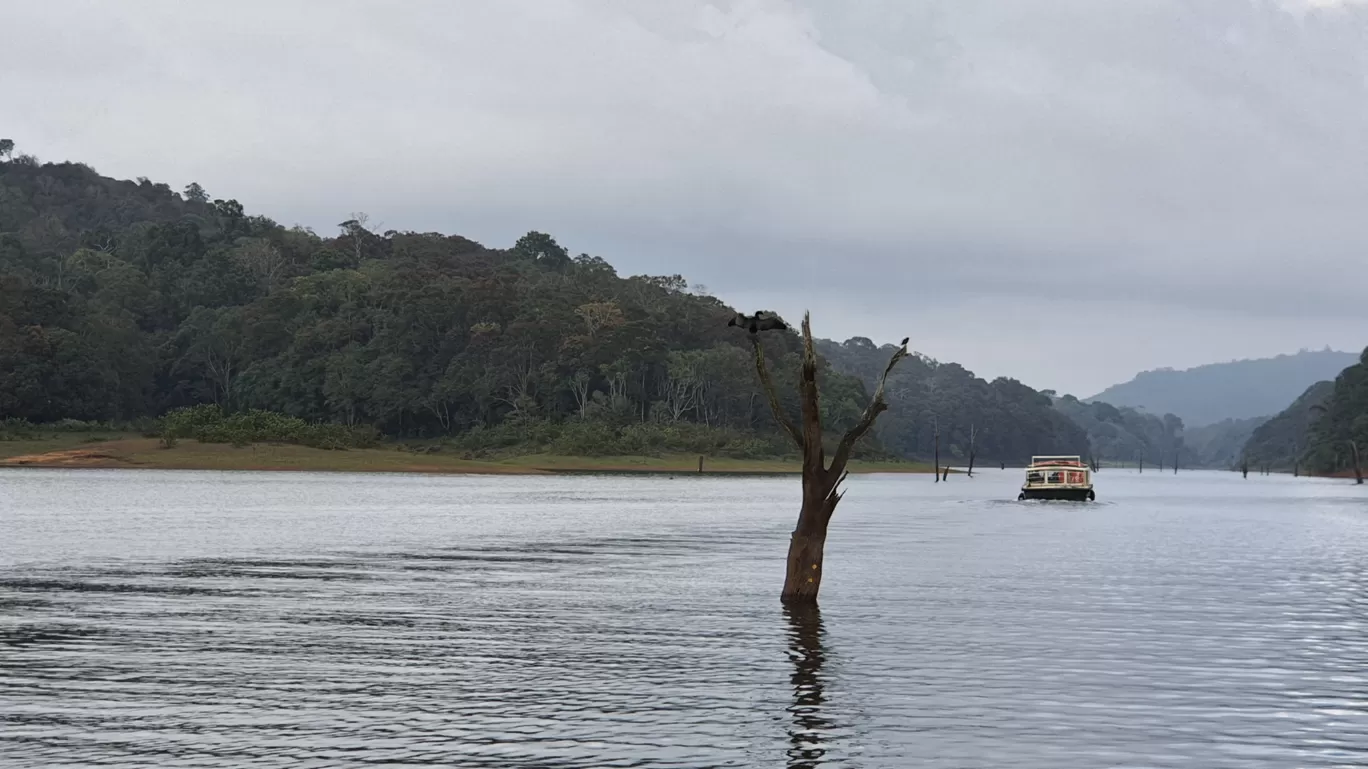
point(876, 407)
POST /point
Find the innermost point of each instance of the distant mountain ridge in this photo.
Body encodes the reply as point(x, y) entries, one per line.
point(1237, 390)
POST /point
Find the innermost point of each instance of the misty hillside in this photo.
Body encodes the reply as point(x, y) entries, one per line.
point(1337, 438)
point(1219, 446)
point(1281, 441)
point(1237, 390)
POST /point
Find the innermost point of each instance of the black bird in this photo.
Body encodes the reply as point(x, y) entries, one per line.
point(905, 340)
point(760, 321)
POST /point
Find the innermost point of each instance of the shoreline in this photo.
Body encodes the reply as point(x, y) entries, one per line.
point(135, 453)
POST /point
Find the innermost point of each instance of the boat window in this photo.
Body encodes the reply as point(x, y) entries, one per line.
point(1035, 478)
point(1057, 477)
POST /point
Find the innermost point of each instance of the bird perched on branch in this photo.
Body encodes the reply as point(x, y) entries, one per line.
point(905, 340)
point(760, 321)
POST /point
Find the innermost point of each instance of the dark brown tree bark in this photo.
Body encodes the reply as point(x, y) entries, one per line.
point(1358, 467)
point(936, 443)
point(945, 473)
point(821, 480)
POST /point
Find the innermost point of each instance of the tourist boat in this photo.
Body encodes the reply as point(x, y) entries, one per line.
point(1058, 478)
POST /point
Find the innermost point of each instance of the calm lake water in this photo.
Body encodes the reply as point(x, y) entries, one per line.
point(297, 620)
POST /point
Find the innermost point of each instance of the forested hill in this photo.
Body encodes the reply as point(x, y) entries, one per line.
point(1339, 434)
point(122, 300)
point(1321, 429)
point(1237, 390)
point(1125, 435)
point(1006, 420)
point(1280, 442)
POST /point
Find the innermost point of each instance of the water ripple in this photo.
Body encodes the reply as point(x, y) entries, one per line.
point(634, 622)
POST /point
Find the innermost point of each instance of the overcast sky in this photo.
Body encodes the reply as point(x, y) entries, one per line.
point(1063, 191)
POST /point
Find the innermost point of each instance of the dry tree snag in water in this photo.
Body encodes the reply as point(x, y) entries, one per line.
point(935, 422)
point(821, 481)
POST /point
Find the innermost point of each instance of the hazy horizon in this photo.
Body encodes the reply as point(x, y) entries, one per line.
point(1067, 193)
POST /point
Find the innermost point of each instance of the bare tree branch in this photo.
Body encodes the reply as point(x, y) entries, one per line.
point(876, 407)
point(834, 496)
point(779, 416)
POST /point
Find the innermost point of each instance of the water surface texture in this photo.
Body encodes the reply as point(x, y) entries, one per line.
point(298, 620)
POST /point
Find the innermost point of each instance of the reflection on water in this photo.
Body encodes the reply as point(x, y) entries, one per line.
point(810, 725)
point(296, 620)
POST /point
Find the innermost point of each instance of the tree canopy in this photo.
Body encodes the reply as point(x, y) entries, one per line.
point(126, 299)
point(1010, 421)
point(1341, 425)
point(122, 300)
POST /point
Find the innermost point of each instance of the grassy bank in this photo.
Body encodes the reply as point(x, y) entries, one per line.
point(128, 451)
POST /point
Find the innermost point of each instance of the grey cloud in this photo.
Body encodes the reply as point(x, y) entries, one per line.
point(960, 162)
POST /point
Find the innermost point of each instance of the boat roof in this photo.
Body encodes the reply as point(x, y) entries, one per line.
point(1057, 460)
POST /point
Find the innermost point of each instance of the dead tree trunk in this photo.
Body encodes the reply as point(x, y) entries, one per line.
point(821, 481)
point(1358, 467)
point(936, 460)
point(1142, 463)
point(945, 473)
point(1244, 468)
point(973, 433)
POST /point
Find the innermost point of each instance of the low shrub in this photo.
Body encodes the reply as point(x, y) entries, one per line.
point(210, 424)
point(595, 438)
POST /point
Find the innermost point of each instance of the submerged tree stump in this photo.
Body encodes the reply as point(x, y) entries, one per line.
point(936, 461)
point(821, 480)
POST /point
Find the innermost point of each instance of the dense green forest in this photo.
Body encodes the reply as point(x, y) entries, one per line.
point(1280, 442)
point(121, 301)
point(1124, 435)
point(125, 300)
point(1339, 435)
point(1004, 419)
point(1321, 429)
point(1242, 389)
